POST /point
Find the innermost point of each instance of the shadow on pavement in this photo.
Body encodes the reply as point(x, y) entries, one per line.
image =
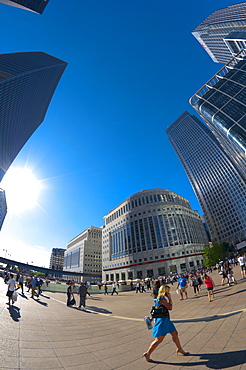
point(40, 302)
point(94, 298)
point(221, 289)
point(14, 312)
point(45, 296)
point(209, 318)
point(239, 291)
point(214, 360)
point(97, 309)
point(23, 295)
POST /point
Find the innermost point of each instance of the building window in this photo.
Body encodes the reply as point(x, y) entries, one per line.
point(161, 271)
point(139, 274)
point(150, 273)
point(173, 269)
point(183, 266)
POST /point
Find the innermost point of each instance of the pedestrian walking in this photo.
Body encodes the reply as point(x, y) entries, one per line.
point(11, 288)
point(105, 289)
point(34, 286)
point(70, 293)
point(195, 284)
point(20, 283)
point(82, 291)
point(114, 289)
point(242, 262)
point(182, 286)
point(142, 287)
point(164, 325)
point(138, 287)
point(209, 286)
point(155, 289)
point(87, 284)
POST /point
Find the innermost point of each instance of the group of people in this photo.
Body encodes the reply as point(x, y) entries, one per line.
point(82, 291)
point(226, 269)
point(33, 284)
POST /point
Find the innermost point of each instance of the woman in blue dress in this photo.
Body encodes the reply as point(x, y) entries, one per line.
point(163, 326)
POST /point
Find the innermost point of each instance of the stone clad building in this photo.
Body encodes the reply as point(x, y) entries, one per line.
point(152, 233)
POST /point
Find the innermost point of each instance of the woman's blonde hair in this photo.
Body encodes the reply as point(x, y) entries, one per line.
point(163, 290)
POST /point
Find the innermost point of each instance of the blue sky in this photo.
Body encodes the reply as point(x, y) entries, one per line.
point(132, 67)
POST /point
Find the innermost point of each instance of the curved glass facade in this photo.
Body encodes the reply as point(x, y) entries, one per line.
point(221, 103)
point(152, 227)
point(219, 186)
point(222, 34)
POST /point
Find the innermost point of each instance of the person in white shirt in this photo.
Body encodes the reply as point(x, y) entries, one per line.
point(242, 262)
point(11, 288)
point(114, 288)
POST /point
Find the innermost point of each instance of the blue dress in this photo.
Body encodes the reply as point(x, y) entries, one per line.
point(162, 326)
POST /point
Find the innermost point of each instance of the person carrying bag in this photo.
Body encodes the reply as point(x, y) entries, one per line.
point(163, 325)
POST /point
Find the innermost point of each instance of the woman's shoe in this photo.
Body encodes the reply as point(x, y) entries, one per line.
point(146, 357)
point(182, 353)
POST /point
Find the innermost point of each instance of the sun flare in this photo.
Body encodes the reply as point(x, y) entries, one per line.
point(21, 188)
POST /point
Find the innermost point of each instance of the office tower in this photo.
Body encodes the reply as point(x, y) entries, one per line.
point(84, 253)
point(3, 207)
point(57, 258)
point(36, 6)
point(219, 186)
point(27, 83)
point(152, 233)
point(221, 102)
point(223, 33)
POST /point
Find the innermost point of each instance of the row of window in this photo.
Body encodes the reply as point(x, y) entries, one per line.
point(155, 232)
point(142, 201)
point(149, 259)
point(151, 273)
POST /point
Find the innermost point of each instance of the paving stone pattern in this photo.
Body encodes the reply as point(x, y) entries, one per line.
point(110, 334)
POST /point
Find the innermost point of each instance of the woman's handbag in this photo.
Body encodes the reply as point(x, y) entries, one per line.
point(158, 312)
point(72, 302)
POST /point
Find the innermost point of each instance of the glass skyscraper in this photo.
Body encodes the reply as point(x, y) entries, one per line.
point(3, 207)
point(221, 102)
point(216, 180)
point(36, 6)
point(223, 33)
point(27, 83)
point(152, 233)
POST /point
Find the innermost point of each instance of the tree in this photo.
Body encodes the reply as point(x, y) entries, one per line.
point(214, 253)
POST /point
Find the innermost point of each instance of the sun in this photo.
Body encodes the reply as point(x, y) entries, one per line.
point(21, 189)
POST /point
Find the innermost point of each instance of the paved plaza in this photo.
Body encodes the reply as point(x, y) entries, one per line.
point(110, 334)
